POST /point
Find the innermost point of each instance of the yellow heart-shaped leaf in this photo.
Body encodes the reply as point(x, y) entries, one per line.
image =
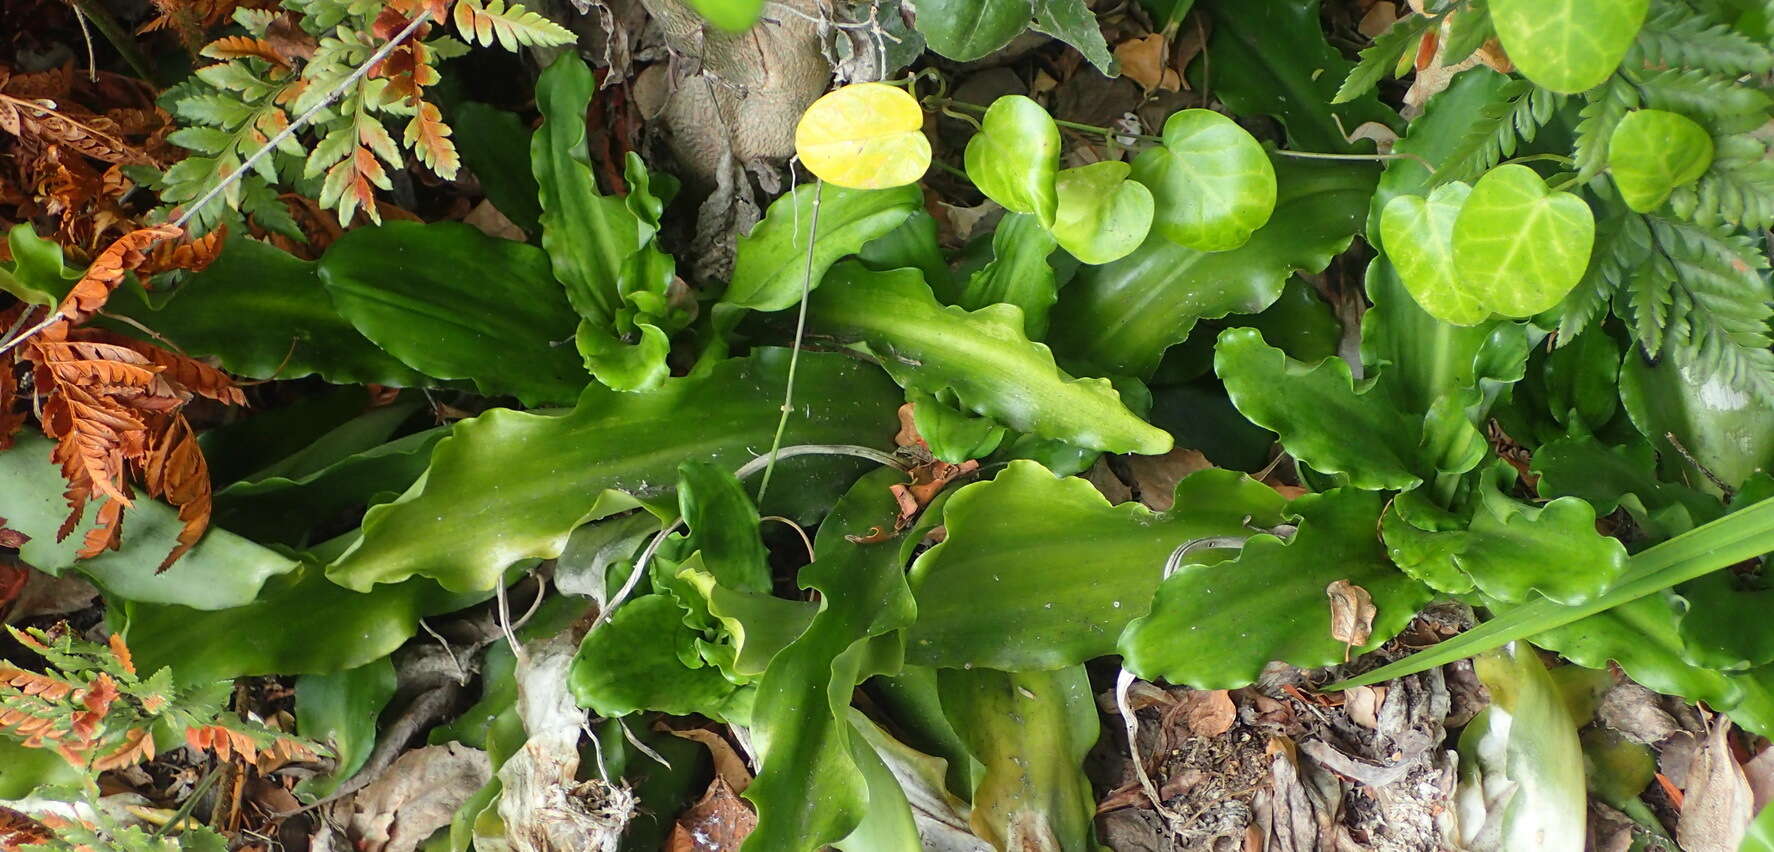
point(864, 136)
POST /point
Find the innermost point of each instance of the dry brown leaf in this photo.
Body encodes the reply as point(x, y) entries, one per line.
point(1378, 18)
point(1146, 62)
point(488, 220)
point(108, 270)
point(415, 797)
point(12, 414)
point(907, 436)
point(1156, 477)
point(18, 830)
point(241, 47)
point(728, 764)
point(1717, 804)
point(1352, 613)
point(1209, 712)
point(1362, 703)
point(718, 822)
point(928, 480)
point(45, 120)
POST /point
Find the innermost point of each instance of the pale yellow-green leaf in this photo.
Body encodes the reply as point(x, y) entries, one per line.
point(864, 136)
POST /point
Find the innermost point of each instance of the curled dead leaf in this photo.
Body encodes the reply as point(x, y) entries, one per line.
point(718, 822)
point(1352, 613)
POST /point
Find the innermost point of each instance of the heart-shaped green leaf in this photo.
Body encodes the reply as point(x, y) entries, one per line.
point(1652, 152)
point(1102, 216)
point(1212, 180)
point(1519, 247)
point(1418, 234)
point(1567, 45)
point(1014, 159)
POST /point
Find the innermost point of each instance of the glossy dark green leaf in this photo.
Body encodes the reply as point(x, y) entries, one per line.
point(1623, 476)
point(494, 144)
point(1018, 274)
point(914, 244)
point(1121, 317)
point(490, 499)
point(223, 570)
point(339, 711)
point(1271, 57)
point(1323, 416)
point(1723, 622)
point(724, 526)
point(1215, 626)
point(983, 357)
point(1567, 45)
point(629, 664)
point(319, 627)
point(36, 274)
point(1030, 731)
point(1064, 569)
point(772, 259)
point(1212, 181)
point(1014, 158)
point(965, 30)
point(953, 435)
point(589, 236)
point(455, 303)
point(1101, 215)
point(1719, 422)
point(295, 330)
point(810, 791)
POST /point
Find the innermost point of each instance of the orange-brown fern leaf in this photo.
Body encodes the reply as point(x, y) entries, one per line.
point(137, 747)
point(91, 135)
point(108, 270)
point(106, 533)
point(241, 47)
point(93, 434)
point(194, 255)
point(182, 371)
point(12, 414)
point(175, 471)
point(18, 830)
point(120, 650)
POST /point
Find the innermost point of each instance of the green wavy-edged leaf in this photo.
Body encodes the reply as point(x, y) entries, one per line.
point(510, 485)
point(1014, 158)
point(772, 259)
point(588, 236)
point(1064, 570)
point(810, 790)
point(982, 356)
point(1215, 626)
point(294, 331)
point(1030, 732)
point(1654, 151)
point(454, 303)
point(222, 571)
point(1324, 417)
point(1520, 247)
point(339, 710)
point(35, 274)
point(1101, 215)
point(1120, 318)
point(1212, 180)
point(1567, 46)
point(965, 30)
point(301, 623)
point(631, 664)
point(1420, 233)
point(1723, 622)
point(1018, 274)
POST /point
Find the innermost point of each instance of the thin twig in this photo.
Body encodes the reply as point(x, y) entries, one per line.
point(794, 354)
point(798, 531)
point(53, 318)
point(1704, 470)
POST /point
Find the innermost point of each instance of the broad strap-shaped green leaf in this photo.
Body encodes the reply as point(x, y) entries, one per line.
point(1120, 318)
point(965, 30)
point(490, 498)
point(1567, 45)
point(982, 356)
point(1101, 216)
point(454, 303)
point(1420, 235)
point(1654, 151)
point(1518, 246)
point(772, 259)
point(810, 790)
point(1018, 273)
point(588, 236)
point(1064, 570)
point(1014, 158)
point(1215, 626)
point(294, 330)
point(1323, 416)
point(222, 571)
point(339, 710)
point(723, 526)
point(631, 664)
point(1030, 732)
point(1720, 423)
point(321, 627)
point(1212, 180)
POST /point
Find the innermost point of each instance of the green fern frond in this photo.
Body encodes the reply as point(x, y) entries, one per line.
point(1705, 290)
point(1468, 28)
point(511, 26)
point(1676, 35)
point(1502, 125)
point(1606, 105)
point(1738, 189)
point(1383, 56)
point(1714, 100)
point(1622, 243)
